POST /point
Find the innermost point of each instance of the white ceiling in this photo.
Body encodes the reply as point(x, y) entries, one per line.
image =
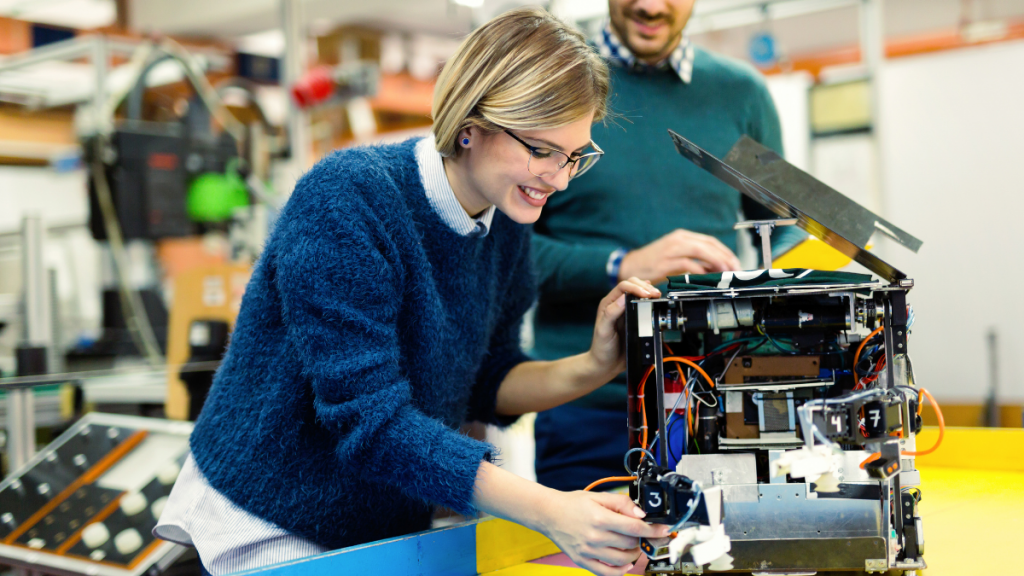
point(242, 17)
point(254, 23)
point(81, 14)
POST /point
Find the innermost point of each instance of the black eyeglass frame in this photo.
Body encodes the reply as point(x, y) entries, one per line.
point(596, 154)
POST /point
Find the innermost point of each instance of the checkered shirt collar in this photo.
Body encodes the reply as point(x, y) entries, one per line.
point(613, 50)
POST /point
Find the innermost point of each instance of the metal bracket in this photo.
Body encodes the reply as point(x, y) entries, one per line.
point(879, 565)
point(764, 228)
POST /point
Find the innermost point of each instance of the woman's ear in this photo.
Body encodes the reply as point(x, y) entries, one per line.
point(466, 137)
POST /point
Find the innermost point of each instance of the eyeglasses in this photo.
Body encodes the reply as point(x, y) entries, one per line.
point(546, 162)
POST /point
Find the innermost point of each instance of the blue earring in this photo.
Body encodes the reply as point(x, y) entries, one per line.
point(465, 141)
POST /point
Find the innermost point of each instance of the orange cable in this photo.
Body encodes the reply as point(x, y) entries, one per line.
point(856, 357)
point(942, 426)
point(643, 414)
point(692, 365)
point(610, 479)
point(942, 431)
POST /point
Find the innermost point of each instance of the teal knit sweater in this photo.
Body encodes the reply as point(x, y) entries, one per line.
point(643, 189)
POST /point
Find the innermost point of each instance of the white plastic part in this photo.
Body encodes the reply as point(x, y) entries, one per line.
point(97, 555)
point(158, 507)
point(810, 467)
point(36, 543)
point(168, 473)
point(827, 483)
point(721, 564)
point(707, 552)
point(713, 504)
point(133, 502)
point(95, 535)
point(128, 541)
point(678, 545)
point(811, 464)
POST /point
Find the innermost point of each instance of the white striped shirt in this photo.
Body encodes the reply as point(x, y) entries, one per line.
point(229, 539)
point(442, 197)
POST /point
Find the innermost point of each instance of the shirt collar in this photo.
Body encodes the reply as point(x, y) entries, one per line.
point(441, 196)
point(613, 50)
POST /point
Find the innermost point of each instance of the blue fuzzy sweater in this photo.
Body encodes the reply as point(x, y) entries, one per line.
point(368, 333)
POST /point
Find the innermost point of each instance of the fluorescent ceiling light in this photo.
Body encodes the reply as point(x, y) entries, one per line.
point(724, 14)
point(470, 3)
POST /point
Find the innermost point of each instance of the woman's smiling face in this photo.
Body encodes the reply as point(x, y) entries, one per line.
point(493, 169)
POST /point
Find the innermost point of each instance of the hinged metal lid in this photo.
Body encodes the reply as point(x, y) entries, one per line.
point(763, 175)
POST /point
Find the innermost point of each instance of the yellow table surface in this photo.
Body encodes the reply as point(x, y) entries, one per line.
point(972, 507)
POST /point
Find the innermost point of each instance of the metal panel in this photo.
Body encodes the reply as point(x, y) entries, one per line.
point(719, 469)
point(763, 175)
point(787, 555)
point(783, 511)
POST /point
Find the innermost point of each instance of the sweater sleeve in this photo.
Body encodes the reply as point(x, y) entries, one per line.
point(340, 282)
point(567, 271)
point(764, 126)
point(505, 350)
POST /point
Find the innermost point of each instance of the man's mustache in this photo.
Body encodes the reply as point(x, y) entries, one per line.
point(648, 18)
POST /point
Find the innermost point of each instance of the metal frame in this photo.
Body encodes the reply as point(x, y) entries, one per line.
point(803, 522)
point(43, 562)
point(98, 49)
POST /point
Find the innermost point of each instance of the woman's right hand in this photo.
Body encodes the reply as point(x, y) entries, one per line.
point(599, 531)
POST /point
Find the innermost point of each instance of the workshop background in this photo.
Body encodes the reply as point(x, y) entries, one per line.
point(912, 108)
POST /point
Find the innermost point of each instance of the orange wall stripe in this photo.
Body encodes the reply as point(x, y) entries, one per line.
point(897, 48)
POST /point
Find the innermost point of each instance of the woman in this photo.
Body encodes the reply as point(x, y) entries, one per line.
point(385, 311)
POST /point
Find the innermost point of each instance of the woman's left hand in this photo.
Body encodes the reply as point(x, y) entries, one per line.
point(606, 349)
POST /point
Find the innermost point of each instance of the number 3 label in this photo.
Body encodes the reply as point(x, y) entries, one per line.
point(655, 500)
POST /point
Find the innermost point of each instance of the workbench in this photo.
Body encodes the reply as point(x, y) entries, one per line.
point(972, 508)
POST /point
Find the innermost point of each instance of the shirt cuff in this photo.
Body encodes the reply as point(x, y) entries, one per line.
point(614, 265)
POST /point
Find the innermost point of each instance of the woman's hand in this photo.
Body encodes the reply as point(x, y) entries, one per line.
point(599, 531)
point(606, 349)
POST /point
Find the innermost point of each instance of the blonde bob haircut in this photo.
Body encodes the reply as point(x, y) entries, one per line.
point(523, 70)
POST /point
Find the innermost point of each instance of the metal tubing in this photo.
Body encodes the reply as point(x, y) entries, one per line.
point(766, 245)
point(294, 66)
point(36, 294)
point(63, 50)
point(100, 66)
point(37, 331)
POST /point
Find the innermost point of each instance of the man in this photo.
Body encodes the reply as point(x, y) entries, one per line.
point(642, 211)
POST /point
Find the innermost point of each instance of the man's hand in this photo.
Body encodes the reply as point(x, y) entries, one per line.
point(678, 252)
point(598, 531)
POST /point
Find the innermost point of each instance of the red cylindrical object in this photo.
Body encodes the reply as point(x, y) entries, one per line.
point(314, 87)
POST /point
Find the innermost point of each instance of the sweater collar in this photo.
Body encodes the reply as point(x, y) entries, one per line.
point(613, 50)
point(441, 196)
